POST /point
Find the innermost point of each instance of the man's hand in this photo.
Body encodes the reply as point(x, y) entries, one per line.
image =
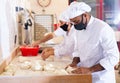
point(82, 70)
point(86, 70)
point(47, 52)
point(74, 63)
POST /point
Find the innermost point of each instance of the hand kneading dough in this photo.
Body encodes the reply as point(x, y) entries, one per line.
point(25, 65)
point(69, 69)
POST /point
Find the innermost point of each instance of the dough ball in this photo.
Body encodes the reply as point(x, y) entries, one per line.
point(36, 66)
point(50, 58)
point(69, 69)
point(7, 74)
point(49, 67)
point(25, 65)
point(10, 68)
point(41, 62)
point(61, 72)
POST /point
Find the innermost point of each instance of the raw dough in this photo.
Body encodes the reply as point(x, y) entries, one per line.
point(7, 74)
point(37, 66)
point(10, 66)
point(50, 58)
point(61, 72)
point(25, 65)
point(10, 69)
point(69, 69)
point(49, 67)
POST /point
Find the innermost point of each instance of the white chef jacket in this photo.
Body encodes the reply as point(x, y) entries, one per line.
point(62, 49)
point(60, 32)
point(95, 45)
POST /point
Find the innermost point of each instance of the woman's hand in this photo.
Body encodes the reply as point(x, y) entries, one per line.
point(36, 43)
point(47, 52)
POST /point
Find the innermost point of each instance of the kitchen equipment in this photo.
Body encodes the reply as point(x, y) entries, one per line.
point(42, 24)
point(29, 50)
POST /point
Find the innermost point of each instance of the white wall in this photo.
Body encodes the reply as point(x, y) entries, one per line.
point(4, 29)
point(0, 47)
point(7, 25)
point(55, 8)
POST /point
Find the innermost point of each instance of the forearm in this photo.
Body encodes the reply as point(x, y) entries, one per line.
point(86, 70)
point(96, 68)
point(75, 61)
point(46, 38)
point(47, 52)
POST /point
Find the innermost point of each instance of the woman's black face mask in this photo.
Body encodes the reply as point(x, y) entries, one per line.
point(81, 25)
point(64, 27)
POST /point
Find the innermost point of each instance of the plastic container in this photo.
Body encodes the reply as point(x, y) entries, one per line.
point(29, 50)
point(55, 26)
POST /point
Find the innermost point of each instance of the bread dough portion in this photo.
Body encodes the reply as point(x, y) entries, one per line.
point(25, 65)
point(37, 68)
point(7, 74)
point(37, 65)
point(49, 67)
point(29, 66)
point(70, 69)
point(10, 69)
point(61, 72)
point(50, 58)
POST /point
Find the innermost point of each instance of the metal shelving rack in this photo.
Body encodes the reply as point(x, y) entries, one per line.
point(42, 24)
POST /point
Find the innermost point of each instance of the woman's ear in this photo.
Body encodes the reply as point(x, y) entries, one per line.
point(84, 15)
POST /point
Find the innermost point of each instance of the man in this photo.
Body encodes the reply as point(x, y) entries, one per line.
point(94, 43)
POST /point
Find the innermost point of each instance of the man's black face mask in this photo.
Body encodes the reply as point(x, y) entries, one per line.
point(81, 25)
point(64, 27)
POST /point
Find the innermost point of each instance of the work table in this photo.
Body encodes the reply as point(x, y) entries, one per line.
point(18, 75)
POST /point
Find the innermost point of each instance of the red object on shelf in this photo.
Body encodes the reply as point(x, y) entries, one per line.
point(29, 51)
point(55, 26)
